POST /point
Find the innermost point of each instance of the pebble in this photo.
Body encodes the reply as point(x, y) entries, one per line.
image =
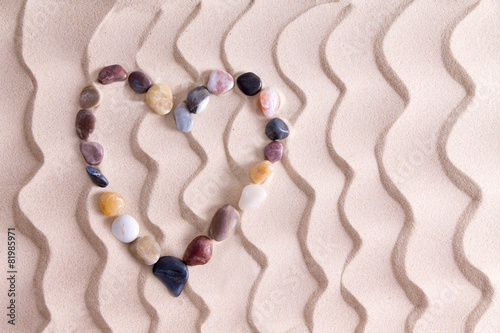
point(273, 151)
point(251, 196)
point(146, 249)
point(224, 222)
point(183, 118)
point(92, 152)
point(276, 129)
point(220, 82)
point(269, 102)
point(85, 123)
point(197, 99)
point(125, 228)
point(110, 74)
point(111, 203)
point(89, 97)
point(139, 82)
point(159, 98)
point(261, 171)
point(249, 83)
point(198, 252)
point(173, 272)
point(97, 177)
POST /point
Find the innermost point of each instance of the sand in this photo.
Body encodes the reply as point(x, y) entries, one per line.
point(382, 216)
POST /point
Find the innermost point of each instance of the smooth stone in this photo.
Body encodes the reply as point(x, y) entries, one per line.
point(251, 196)
point(89, 97)
point(223, 223)
point(85, 123)
point(197, 99)
point(145, 249)
point(261, 171)
point(276, 129)
point(183, 118)
point(97, 177)
point(110, 74)
point(111, 203)
point(269, 102)
point(198, 252)
point(139, 82)
point(125, 228)
point(220, 82)
point(159, 98)
point(92, 152)
point(274, 151)
point(249, 83)
point(173, 272)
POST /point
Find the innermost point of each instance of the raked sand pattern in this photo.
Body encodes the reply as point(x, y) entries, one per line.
point(382, 217)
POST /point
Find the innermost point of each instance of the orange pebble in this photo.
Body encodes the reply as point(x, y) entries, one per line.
point(111, 203)
point(261, 171)
point(269, 102)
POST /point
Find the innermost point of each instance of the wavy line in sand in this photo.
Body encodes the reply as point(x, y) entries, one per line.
point(151, 176)
point(414, 293)
point(349, 174)
point(312, 265)
point(22, 222)
point(186, 212)
point(238, 171)
point(462, 180)
point(82, 216)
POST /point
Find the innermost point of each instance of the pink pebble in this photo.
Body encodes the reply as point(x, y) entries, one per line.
point(220, 82)
point(269, 102)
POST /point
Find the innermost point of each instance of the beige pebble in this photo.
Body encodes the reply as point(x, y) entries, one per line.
point(159, 98)
point(146, 249)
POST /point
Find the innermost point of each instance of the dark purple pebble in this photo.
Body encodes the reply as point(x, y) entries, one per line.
point(92, 152)
point(85, 124)
point(139, 82)
point(110, 74)
point(274, 151)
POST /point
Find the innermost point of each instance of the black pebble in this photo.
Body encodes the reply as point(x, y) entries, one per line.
point(97, 177)
point(276, 129)
point(196, 99)
point(249, 83)
point(173, 272)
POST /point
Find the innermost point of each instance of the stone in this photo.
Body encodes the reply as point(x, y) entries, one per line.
point(139, 82)
point(198, 252)
point(223, 223)
point(220, 82)
point(261, 171)
point(276, 129)
point(111, 203)
point(125, 228)
point(110, 74)
point(197, 99)
point(90, 97)
point(173, 272)
point(183, 118)
point(97, 177)
point(85, 124)
point(249, 83)
point(159, 98)
point(269, 102)
point(251, 196)
point(92, 152)
point(145, 249)
point(273, 151)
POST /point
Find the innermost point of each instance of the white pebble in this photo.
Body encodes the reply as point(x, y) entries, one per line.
point(125, 228)
point(251, 196)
